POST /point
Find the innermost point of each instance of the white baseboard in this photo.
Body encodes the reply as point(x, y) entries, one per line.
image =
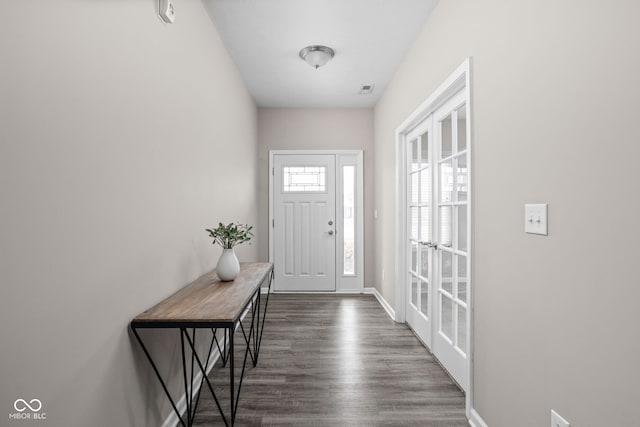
point(475, 420)
point(383, 302)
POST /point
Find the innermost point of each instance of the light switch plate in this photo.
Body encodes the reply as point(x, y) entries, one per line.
point(167, 11)
point(535, 218)
point(558, 421)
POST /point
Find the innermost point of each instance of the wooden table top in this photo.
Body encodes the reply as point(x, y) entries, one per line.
point(207, 299)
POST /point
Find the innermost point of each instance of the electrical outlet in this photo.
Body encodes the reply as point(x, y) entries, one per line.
point(558, 421)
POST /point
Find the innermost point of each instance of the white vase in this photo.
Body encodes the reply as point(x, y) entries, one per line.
point(228, 265)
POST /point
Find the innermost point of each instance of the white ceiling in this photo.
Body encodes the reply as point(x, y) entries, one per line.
point(370, 38)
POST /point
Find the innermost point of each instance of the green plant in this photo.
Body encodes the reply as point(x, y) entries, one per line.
point(231, 234)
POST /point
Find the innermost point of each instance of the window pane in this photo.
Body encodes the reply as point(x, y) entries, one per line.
point(305, 179)
point(424, 261)
point(348, 219)
point(414, 258)
point(414, 147)
point(414, 290)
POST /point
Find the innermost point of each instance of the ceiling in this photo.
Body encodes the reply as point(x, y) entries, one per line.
point(370, 38)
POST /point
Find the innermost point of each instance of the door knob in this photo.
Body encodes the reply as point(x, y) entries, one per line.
point(330, 222)
point(330, 232)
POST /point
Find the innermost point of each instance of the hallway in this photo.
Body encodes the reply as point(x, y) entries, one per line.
point(338, 360)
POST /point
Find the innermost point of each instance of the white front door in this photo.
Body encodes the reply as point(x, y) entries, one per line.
point(304, 218)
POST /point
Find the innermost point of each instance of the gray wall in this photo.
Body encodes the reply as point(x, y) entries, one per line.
point(555, 86)
point(121, 139)
point(316, 129)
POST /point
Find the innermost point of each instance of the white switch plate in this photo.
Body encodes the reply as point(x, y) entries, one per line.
point(535, 218)
point(558, 421)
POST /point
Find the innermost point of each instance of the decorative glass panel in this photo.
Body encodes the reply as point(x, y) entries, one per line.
point(304, 179)
point(348, 219)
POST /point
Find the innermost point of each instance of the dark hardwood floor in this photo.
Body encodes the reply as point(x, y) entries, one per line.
point(337, 360)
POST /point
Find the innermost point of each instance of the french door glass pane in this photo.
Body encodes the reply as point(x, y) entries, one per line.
point(425, 186)
point(414, 223)
point(414, 290)
point(446, 148)
point(462, 329)
point(424, 297)
point(424, 143)
point(446, 271)
point(445, 226)
point(462, 227)
point(462, 127)
point(462, 186)
point(446, 181)
point(446, 315)
point(424, 224)
point(462, 277)
point(424, 261)
point(415, 187)
point(414, 257)
point(415, 155)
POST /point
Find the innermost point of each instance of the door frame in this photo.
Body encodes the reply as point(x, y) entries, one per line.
point(344, 283)
point(459, 80)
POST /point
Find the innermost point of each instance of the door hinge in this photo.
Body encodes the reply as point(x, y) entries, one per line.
point(273, 223)
point(273, 171)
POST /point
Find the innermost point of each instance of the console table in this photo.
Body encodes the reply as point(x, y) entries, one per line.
point(210, 304)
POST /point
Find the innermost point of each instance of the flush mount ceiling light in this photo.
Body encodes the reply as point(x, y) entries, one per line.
point(317, 56)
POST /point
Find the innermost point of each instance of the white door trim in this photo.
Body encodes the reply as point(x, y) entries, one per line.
point(459, 80)
point(347, 284)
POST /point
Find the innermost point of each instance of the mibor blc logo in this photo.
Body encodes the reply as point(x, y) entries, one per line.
point(27, 410)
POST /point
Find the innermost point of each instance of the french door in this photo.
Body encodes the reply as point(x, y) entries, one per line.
point(438, 226)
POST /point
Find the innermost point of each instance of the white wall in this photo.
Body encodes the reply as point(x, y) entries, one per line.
point(119, 136)
point(555, 86)
point(316, 129)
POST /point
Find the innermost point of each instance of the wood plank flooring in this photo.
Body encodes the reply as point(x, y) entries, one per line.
point(336, 360)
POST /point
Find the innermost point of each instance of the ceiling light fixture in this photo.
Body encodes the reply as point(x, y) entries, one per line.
point(317, 56)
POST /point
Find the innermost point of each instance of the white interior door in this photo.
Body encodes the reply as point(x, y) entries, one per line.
point(419, 220)
point(304, 216)
point(453, 224)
